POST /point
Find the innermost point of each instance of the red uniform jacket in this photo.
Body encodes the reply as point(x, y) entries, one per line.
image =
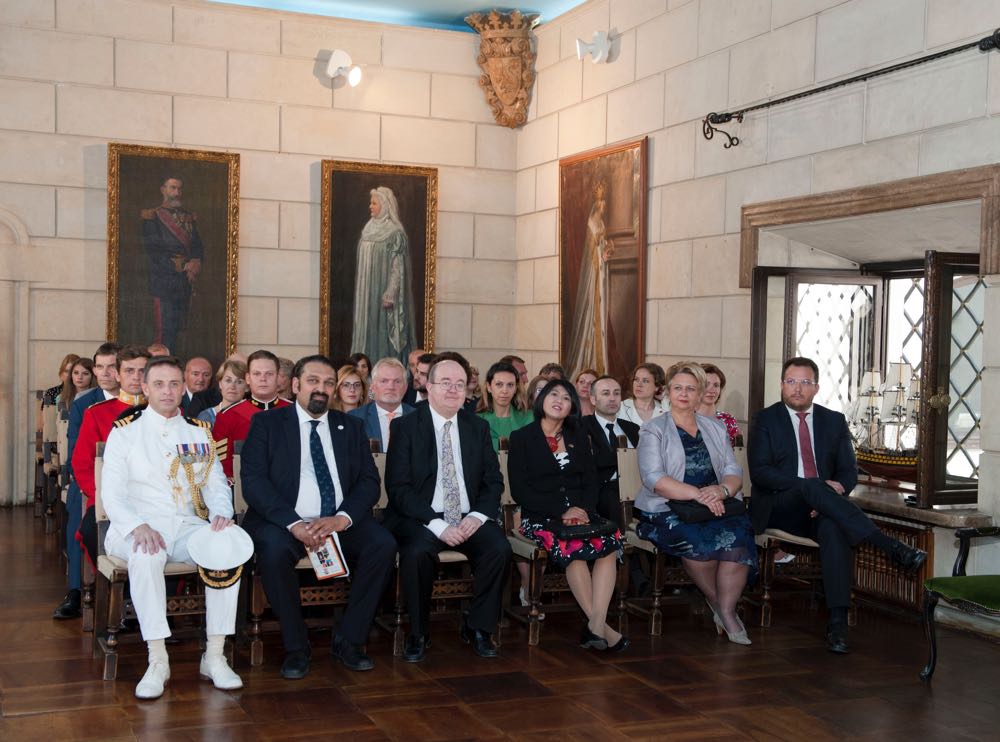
point(233, 424)
point(98, 420)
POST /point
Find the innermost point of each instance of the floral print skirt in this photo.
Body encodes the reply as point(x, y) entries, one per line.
point(727, 539)
point(562, 552)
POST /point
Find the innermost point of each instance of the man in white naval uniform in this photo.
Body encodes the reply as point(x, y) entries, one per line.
point(160, 483)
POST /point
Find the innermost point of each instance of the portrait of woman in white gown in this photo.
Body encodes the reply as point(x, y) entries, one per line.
point(383, 291)
point(587, 346)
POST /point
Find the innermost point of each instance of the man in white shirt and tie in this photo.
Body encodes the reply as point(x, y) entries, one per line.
point(388, 387)
point(803, 468)
point(307, 472)
point(444, 483)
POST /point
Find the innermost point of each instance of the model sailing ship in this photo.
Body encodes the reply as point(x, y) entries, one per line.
point(883, 421)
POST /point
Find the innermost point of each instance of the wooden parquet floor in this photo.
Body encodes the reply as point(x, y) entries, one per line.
point(686, 685)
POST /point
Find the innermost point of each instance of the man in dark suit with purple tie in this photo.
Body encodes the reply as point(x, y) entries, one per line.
point(802, 468)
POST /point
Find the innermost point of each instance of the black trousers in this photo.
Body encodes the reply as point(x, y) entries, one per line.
point(489, 554)
point(839, 526)
point(370, 552)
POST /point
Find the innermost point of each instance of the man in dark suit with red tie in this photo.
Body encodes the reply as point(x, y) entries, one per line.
point(444, 483)
point(802, 467)
point(307, 472)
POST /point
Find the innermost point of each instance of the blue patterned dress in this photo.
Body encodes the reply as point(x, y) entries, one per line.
point(728, 539)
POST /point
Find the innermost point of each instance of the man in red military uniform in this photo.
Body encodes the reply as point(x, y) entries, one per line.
point(98, 420)
point(233, 423)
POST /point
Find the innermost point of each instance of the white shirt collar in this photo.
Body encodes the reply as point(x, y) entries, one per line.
point(305, 417)
point(156, 417)
point(384, 412)
point(796, 412)
point(605, 421)
point(439, 420)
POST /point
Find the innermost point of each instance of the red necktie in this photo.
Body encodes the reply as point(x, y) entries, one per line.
point(805, 445)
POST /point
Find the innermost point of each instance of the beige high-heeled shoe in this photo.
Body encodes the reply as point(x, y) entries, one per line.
point(736, 637)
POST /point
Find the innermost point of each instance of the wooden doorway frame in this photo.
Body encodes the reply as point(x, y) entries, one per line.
point(981, 183)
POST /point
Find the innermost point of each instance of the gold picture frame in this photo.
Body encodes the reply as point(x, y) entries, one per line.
point(188, 298)
point(346, 219)
point(603, 207)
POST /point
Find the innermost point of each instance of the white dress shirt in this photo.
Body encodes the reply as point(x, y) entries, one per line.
point(812, 438)
point(618, 428)
point(438, 525)
point(383, 422)
point(308, 504)
point(109, 395)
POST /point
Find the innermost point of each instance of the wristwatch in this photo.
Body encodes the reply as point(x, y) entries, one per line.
point(726, 490)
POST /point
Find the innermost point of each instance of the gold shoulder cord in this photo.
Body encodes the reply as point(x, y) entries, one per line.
point(200, 508)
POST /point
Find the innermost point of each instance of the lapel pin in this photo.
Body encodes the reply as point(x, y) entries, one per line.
point(340, 427)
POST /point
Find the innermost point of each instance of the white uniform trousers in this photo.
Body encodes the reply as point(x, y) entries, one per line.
point(148, 586)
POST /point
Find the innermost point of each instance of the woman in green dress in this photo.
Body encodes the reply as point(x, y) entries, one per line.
point(503, 404)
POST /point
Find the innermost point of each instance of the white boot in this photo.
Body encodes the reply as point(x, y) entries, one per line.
point(215, 668)
point(151, 685)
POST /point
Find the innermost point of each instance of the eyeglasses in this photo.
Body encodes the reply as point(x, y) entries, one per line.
point(450, 386)
point(350, 385)
point(804, 383)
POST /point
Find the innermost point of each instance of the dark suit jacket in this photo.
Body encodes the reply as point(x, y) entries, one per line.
point(537, 483)
point(270, 467)
point(200, 401)
point(76, 410)
point(368, 414)
point(410, 395)
point(606, 457)
point(411, 466)
point(773, 457)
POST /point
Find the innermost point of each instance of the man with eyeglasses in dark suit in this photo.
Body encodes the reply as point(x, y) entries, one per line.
point(802, 468)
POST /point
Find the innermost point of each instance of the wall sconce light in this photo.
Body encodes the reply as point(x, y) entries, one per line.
point(599, 48)
point(340, 66)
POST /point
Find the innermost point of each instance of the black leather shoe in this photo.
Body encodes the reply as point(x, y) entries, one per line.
point(70, 606)
point(295, 666)
point(590, 640)
point(907, 557)
point(619, 646)
point(350, 654)
point(416, 648)
point(836, 638)
point(481, 642)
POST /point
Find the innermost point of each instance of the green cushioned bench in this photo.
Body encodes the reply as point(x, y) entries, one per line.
point(973, 594)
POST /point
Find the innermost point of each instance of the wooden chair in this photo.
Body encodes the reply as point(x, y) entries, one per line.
point(39, 495)
point(51, 466)
point(977, 595)
point(112, 607)
point(666, 571)
point(335, 592)
point(448, 585)
point(804, 572)
point(543, 578)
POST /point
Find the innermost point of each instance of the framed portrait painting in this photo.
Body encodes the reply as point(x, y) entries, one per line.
point(173, 228)
point(602, 259)
point(377, 264)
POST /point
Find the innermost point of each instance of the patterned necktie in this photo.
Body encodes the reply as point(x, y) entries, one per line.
point(327, 493)
point(449, 480)
point(805, 444)
point(612, 438)
point(388, 426)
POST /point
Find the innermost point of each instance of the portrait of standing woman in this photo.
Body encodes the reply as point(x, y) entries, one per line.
point(383, 294)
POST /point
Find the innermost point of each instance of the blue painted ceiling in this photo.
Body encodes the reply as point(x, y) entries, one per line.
point(446, 14)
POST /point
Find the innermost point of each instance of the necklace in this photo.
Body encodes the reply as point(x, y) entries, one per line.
point(553, 441)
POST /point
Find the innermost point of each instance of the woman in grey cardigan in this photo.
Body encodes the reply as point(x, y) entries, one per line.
point(687, 456)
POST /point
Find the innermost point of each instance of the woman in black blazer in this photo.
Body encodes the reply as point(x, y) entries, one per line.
point(553, 477)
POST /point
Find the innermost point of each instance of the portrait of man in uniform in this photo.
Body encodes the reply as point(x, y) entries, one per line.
point(378, 248)
point(173, 221)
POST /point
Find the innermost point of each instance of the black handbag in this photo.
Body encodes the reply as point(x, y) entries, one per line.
point(596, 528)
point(692, 511)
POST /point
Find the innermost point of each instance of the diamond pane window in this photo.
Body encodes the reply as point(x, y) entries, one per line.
point(833, 326)
point(965, 389)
